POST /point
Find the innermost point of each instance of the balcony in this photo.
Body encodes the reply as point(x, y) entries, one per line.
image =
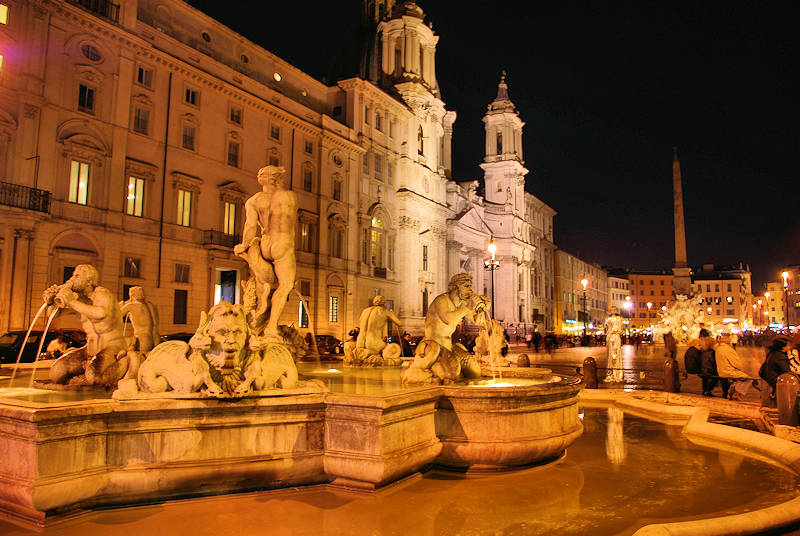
point(218, 238)
point(16, 195)
point(103, 8)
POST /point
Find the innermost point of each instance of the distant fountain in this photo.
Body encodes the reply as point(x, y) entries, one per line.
point(682, 318)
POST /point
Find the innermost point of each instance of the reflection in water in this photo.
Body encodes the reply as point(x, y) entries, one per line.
point(615, 438)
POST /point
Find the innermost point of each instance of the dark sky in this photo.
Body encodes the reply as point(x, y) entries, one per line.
point(606, 90)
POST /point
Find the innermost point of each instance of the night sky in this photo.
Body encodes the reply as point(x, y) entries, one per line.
point(606, 90)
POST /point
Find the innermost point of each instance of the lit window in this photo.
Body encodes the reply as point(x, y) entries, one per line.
point(135, 198)
point(86, 99)
point(79, 183)
point(229, 223)
point(3, 14)
point(305, 236)
point(141, 120)
point(184, 208)
point(333, 309)
point(376, 242)
point(188, 137)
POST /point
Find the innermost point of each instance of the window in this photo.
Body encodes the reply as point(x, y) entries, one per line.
point(275, 132)
point(79, 182)
point(333, 309)
point(188, 137)
point(378, 122)
point(390, 172)
point(235, 115)
point(365, 167)
point(378, 166)
point(86, 99)
point(337, 242)
point(3, 14)
point(192, 97)
point(144, 76)
point(420, 142)
point(229, 218)
point(499, 143)
point(233, 153)
point(132, 267)
point(337, 190)
point(308, 178)
point(181, 273)
point(308, 146)
point(716, 288)
point(141, 120)
point(91, 53)
point(135, 197)
point(337, 111)
point(179, 306)
point(184, 208)
point(729, 287)
point(391, 128)
point(425, 258)
point(306, 241)
point(376, 242)
point(366, 114)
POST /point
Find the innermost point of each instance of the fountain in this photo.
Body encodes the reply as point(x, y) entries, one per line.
point(230, 411)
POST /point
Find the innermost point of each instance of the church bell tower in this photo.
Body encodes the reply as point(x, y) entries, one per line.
point(503, 167)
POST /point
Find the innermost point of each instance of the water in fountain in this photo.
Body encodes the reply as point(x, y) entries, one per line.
point(41, 343)
point(24, 342)
point(493, 365)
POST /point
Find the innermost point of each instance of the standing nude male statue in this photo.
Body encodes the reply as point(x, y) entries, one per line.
point(144, 318)
point(272, 214)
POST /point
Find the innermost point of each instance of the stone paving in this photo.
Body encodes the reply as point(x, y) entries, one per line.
point(644, 367)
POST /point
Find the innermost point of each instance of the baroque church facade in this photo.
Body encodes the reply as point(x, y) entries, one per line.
point(131, 134)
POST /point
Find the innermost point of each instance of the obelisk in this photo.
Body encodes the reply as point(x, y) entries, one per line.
point(682, 279)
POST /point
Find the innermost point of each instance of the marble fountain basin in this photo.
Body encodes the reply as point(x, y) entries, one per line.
point(64, 453)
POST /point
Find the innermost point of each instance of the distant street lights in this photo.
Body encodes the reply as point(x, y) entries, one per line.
point(584, 282)
point(785, 276)
point(766, 306)
point(492, 265)
point(649, 306)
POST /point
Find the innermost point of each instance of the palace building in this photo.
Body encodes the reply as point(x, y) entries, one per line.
point(131, 135)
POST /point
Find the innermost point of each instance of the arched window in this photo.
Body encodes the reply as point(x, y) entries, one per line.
point(420, 141)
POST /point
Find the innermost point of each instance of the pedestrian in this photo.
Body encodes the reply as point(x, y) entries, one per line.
point(731, 367)
point(708, 366)
point(670, 344)
point(528, 340)
point(693, 356)
point(776, 363)
point(537, 340)
point(734, 339)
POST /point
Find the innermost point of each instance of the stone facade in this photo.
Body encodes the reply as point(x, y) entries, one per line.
point(570, 309)
point(130, 137)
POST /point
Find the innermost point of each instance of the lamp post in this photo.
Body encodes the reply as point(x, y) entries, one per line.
point(492, 265)
point(785, 276)
point(585, 283)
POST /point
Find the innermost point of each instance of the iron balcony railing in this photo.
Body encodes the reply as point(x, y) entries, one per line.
point(218, 238)
point(16, 195)
point(104, 8)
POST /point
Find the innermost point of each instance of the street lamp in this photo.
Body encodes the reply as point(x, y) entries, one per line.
point(584, 282)
point(785, 276)
point(492, 265)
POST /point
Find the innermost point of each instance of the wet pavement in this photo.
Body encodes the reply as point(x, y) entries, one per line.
point(607, 484)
